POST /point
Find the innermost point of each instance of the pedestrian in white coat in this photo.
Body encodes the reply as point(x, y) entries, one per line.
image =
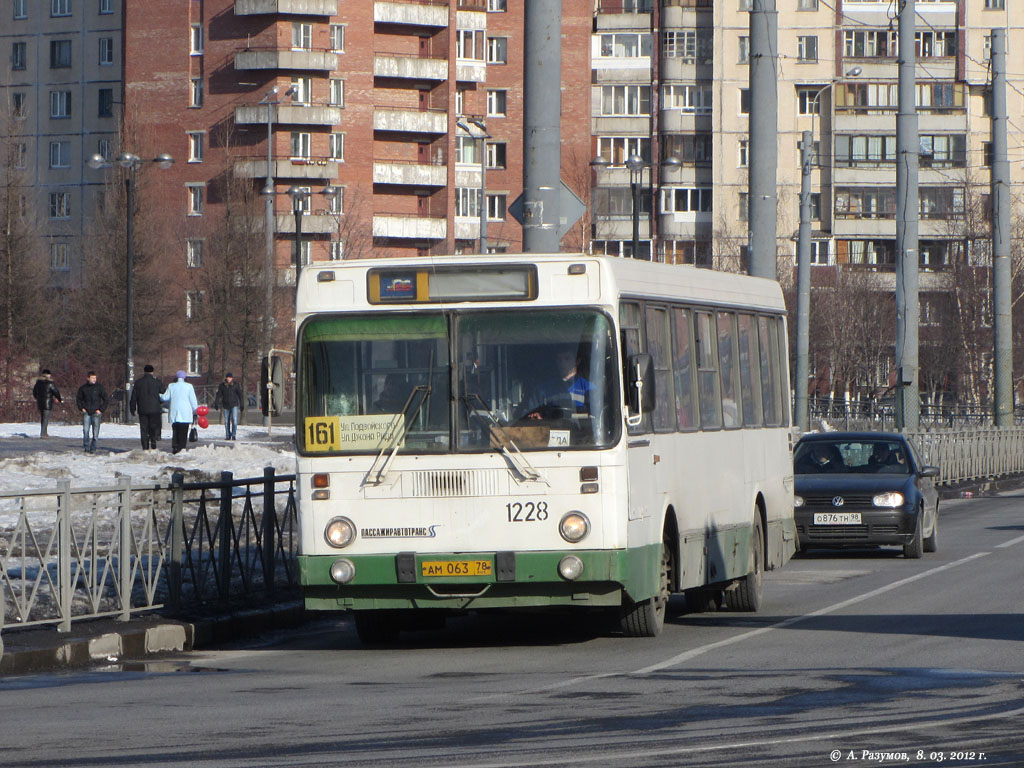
point(182, 399)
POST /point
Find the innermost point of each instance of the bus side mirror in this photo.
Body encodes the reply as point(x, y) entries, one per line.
point(640, 385)
point(271, 386)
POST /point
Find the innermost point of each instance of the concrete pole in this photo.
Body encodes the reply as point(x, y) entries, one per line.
point(542, 110)
point(268, 261)
point(483, 193)
point(764, 118)
point(908, 148)
point(129, 291)
point(1002, 399)
point(803, 286)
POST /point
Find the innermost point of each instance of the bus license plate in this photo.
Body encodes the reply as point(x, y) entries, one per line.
point(456, 568)
point(837, 518)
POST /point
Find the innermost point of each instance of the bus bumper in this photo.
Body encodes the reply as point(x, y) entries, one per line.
point(517, 580)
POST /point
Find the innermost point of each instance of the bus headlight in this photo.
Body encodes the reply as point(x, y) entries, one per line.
point(570, 567)
point(340, 532)
point(574, 527)
point(343, 571)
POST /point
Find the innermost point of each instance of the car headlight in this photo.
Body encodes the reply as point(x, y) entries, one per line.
point(890, 499)
point(340, 532)
point(574, 526)
point(798, 501)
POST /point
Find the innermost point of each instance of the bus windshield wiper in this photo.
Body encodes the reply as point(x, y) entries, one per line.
point(501, 440)
point(399, 427)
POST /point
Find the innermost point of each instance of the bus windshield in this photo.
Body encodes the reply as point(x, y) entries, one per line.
point(439, 382)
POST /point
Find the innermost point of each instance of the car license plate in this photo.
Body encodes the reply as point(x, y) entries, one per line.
point(837, 518)
point(456, 568)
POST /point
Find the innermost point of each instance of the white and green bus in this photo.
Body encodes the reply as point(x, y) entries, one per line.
point(538, 431)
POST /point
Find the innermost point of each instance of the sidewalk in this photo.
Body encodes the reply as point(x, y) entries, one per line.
point(107, 641)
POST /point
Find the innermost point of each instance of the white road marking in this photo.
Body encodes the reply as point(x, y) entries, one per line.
point(1010, 543)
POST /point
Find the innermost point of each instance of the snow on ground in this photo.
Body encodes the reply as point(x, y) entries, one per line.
point(41, 469)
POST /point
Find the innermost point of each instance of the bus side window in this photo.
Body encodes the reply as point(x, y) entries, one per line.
point(768, 348)
point(682, 365)
point(727, 368)
point(629, 323)
point(658, 341)
point(750, 372)
point(707, 372)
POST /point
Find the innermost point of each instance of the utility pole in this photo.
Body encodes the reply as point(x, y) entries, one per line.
point(542, 110)
point(762, 199)
point(803, 286)
point(1002, 400)
point(908, 148)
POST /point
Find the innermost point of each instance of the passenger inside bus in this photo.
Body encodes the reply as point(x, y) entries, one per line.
point(563, 392)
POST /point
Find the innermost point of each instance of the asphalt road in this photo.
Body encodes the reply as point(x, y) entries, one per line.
point(858, 658)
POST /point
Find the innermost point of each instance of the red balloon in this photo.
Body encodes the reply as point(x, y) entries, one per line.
point(204, 422)
point(203, 410)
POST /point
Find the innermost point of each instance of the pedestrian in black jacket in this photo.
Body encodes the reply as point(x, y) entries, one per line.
point(92, 401)
point(230, 398)
point(146, 400)
point(45, 392)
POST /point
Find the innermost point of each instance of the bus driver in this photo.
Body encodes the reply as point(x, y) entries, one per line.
point(561, 395)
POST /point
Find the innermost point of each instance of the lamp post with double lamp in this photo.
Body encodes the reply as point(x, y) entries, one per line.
point(130, 163)
point(300, 199)
point(803, 264)
point(268, 193)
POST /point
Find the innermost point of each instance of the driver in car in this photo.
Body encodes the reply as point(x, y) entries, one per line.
point(563, 394)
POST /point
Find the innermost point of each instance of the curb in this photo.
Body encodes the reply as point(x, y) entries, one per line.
point(108, 641)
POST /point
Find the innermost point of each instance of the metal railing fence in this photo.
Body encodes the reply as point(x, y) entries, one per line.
point(68, 554)
point(966, 455)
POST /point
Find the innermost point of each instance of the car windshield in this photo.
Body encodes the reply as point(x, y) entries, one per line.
point(540, 380)
point(850, 457)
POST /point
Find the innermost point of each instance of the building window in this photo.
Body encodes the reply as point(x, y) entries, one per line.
point(195, 146)
point(195, 40)
point(743, 159)
point(338, 38)
point(869, 43)
point(60, 104)
point(336, 202)
point(686, 200)
point(627, 45)
point(337, 252)
point(306, 253)
point(460, 100)
point(744, 101)
point(18, 104)
point(686, 46)
point(626, 100)
point(193, 305)
point(103, 148)
point(744, 206)
point(744, 46)
point(688, 148)
point(467, 202)
point(60, 257)
point(194, 366)
point(337, 147)
point(690, 99)
point(302, 89)
point(337, 92)
point(195, 199)
point(935, 43)
point(995, 5)
point(807, 5)
point(195, 92)
point(496, 207)
point(497, 155)
point(106, 6)
point(808, 101)
point(467, 150)
point(497, 6)
point(20, 155)
point(106, 57)
point(60, 7)
point(617, 149)
point(302, 36)
point(60, 205)
point(469, 44)
point(497, 103)
point(105, 102)
point(194, 253)
point(497, 50)
point(807, 48)
point(18, 55)
point(820, 252)
point(60, 54)
point(301, 142)
point(19, 9)
point(60, 154)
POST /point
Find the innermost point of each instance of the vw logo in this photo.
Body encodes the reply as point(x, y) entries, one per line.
point(837, 501)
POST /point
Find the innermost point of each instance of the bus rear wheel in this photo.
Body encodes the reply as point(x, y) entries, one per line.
point(646, 618)
point(749, 590)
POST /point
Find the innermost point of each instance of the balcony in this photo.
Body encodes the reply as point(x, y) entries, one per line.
point(286, 7)
point(410, 174)
point(467, 228)
point(313, 168)
point(273, 58)
point(411, 14)
point(470, 71)
point(288, 114)
point(319, 223)
point(410, 121)
point(402, 226)
point(679, 120)
point(410, 67)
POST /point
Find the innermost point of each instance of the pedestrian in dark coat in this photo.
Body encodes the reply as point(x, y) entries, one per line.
point(45, 392)
point(92, 401)
point(146, 400)
point(230, 398)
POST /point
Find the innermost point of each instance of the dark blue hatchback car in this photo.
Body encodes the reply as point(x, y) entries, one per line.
point(864, 488)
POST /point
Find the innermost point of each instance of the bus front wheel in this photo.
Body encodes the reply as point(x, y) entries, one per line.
point(749, 590)
point(646, 618)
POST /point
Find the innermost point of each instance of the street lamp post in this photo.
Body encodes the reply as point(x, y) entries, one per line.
point(636, 165)
point(803, 266)
point(300, 197)
point(130, 163)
